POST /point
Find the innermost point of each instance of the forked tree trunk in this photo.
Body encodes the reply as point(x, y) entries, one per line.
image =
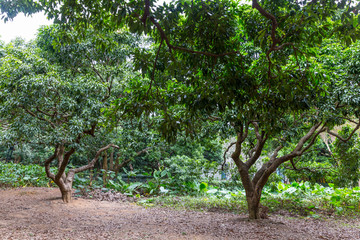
point(254, 184)
point(65, 180)
point(65, 186)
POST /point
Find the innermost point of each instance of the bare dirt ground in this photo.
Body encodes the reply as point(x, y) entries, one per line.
point(38, 213)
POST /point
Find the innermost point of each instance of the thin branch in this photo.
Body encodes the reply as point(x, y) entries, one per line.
point(348, 138)
point(129, 159)
point(154, 68)
point(282, 46)
point(95, 70)
point(299, 169)
point(171, 47)
point(214, 118)
point(323, 129)
point(305, 168)
point(224, 156)
point(305, 138)
point(350, 120)
point(45, 113)
point(40, 118)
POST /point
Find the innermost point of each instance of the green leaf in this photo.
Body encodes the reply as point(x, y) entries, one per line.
point(203, 186)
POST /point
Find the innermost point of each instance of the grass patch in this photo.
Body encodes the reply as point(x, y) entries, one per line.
point(200, 203)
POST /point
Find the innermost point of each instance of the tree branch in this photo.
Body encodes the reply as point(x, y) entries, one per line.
point(268, 168)
point(224, 156)
point(171, 47)
point(298, 169)
point(63, 161)
point(38, 117)
point(129, 159)
point(154, 68)
point(348, 138)
point(93, 161)
point(146, 12)
point(47, 164)
point(95, 70)
point(269, 16)
point(91, 131)
point(45, 113)
point(261, 139)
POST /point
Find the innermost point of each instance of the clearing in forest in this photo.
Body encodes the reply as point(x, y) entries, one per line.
point(39, 213)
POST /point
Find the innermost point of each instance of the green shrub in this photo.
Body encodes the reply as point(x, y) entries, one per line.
point(18, 175)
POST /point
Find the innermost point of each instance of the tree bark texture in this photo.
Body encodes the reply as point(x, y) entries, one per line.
point(254, 184)
point(253, 206)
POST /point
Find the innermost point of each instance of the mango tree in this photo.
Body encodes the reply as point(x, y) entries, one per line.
point(269, 84)
point(277, 78)
point(54, 97)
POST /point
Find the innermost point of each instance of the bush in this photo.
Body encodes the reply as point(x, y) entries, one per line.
point(18, 175)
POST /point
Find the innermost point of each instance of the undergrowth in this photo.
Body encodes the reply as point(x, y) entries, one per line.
point(304, 198)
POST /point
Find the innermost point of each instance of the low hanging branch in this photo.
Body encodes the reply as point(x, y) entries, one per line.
point(93, 161)
point(293, 164)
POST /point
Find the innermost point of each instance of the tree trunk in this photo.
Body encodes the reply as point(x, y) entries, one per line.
point(117, 165)
point(91, 176)
point(17, 158)
point(105, 168)
point(66, 195)
point(111, 160)
point(253, 207)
